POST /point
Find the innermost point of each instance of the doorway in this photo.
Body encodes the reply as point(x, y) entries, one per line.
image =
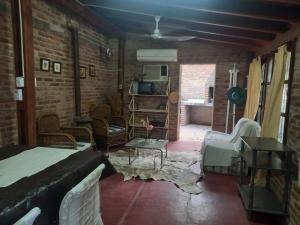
point(197, 86)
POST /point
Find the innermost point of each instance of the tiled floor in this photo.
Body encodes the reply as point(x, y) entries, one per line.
point(193, 132)
point(138, 202)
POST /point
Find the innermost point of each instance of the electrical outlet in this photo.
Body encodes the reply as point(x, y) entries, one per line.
point(18, 95)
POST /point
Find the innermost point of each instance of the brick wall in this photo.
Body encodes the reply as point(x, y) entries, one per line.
point(191, 53)
point(52, 40)
point(195, 83)
point(195, 80)
point(8, 118)
point(294, 138)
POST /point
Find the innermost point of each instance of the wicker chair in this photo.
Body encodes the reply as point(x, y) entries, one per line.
point(108, 130)
point(51, 134)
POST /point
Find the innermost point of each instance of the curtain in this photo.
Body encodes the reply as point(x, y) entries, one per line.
point(272, 112)
point(270, 124)
point(253, 89)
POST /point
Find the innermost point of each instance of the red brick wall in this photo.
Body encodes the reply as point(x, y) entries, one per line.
point(54, 92)
point(195, 80)
point(294, 139)
point(8, 118)
point(191, 53)
point(52, 40)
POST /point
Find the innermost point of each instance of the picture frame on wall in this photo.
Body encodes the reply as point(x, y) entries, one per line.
point(92, 70)
point(45, 64)
point(82, 72)
point(56, 67)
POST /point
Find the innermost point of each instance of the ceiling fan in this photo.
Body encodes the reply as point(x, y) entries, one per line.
point(157, 35)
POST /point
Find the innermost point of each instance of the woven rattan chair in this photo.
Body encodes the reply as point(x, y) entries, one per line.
point(108, 130)
point(51, 134)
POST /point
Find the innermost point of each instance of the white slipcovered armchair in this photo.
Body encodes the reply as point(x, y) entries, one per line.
point(29, 218)
point(81, 205)
point(219, 149)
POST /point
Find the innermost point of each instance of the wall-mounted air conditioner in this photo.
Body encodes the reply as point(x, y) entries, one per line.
point(155, 72)
point(157, 55)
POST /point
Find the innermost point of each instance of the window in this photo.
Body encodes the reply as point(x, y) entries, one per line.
point(284, 101)
point(267, 72)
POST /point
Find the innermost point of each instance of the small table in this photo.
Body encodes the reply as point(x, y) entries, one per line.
point(265, 154)
point(150, 144)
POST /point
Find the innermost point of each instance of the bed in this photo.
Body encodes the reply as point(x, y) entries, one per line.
point(46, 188)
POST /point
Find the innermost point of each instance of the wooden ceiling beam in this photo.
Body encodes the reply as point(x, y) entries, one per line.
point(137, 21)
point(187, 15)
point(259, 9)
point(88, 15)
point(292, 34)
point(250, 43)
point(290, 2)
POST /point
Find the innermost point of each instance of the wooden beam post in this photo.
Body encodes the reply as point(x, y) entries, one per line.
point(22, 18)
point(121, 67)
point(75, 40)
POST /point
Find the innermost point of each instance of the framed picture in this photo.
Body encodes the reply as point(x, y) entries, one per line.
point(44, 64)
point(92, 71)
point(82, 72)
point(56, 67)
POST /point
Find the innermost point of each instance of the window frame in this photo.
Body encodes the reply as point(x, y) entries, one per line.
point(266, 60)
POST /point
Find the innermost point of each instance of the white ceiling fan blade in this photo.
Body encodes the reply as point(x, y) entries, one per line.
point(138, 35)
point(177, 38)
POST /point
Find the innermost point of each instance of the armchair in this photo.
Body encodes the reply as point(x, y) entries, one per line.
point(220, 151)
point(51, 134)
point(108, 130)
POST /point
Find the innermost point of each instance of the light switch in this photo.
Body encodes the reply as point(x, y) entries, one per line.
point(20, 82)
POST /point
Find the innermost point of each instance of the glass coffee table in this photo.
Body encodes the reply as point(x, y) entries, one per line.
point(150, 144)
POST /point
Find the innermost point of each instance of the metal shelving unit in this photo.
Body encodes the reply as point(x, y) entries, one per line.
point(134, 111)
point(270, 155)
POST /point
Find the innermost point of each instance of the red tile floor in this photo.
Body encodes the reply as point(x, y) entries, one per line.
point(137, 202)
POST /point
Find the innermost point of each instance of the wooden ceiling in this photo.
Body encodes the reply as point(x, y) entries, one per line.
point(248, 23)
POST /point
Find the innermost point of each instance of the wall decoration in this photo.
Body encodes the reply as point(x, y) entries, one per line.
point(56, 67)
point(92, 71)
point(105, 53)
point(82, 72)
point(44, 64)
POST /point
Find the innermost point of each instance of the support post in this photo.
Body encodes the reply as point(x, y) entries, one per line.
point(121, 50)
point(75, 43)
point(24, 64)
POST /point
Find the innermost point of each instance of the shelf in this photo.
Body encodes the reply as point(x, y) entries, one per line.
point(262, 161)
point(264, 201)
point(141, 126)
point(265, 144)
point(139, 108)
point(149, 110)
point(141, 95)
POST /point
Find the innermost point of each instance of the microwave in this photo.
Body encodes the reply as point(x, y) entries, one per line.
point(155, 72)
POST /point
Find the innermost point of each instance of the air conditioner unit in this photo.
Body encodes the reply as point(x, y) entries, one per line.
point(157, 55)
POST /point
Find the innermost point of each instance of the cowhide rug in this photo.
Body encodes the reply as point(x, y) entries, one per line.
point(176, 169)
